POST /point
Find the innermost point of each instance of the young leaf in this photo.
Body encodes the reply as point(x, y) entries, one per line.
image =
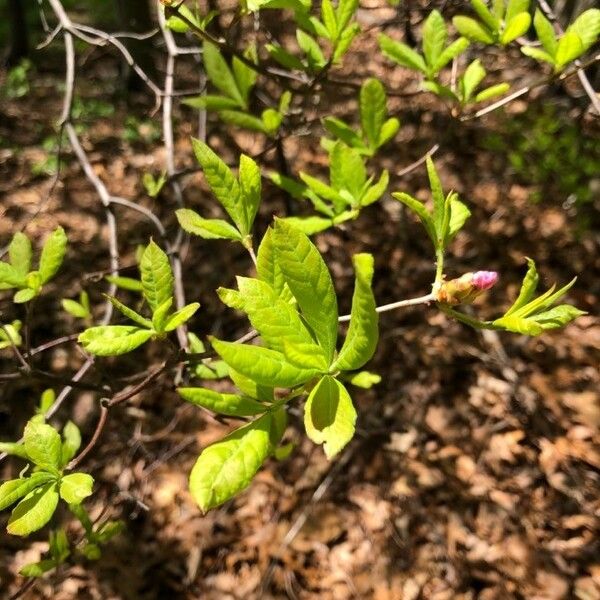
point(344, 12)
point(157, 277)
point(19, 253)
point(528, 287)
point(344, 132)
point(243, 120)
point(159, 316)
point(232, 405)
point(587, 27)
point(375, 191)
point(71, 442)
point(347, 170)
point(245, 76)
point(10, 277)
point(438, 199)
point(251, 187)
point(11, 491)
point(130, 313)
point(309, 280)
point(516, 27)
point(450, 53)
point(76, 487)
point(344, 41)
point(473, 76)
point(222, 183)
point(514, 8)
point(472, 30)
point(125, 283)
point(211, 102)
point(361, 340)
point(485, 15)
point(34, 511)
point(209, 229)
point(545, 33)
point(53, 254)
point(43, 445)
point(492, 92)
point(402, 54)
point(74, 308)
point(364, 379)
point(569, 48)
point(329, 20)
point(226, 468)
point(434, 37)
point(419, 209)
point(113, 340)
point(314, 54)
point(266, 367)
point(329, 416)
point(537, 54)
point(373, 109)
point(251, 388)
point(24, 295)
point(459, 213)
point(276, 320)
point(267, 268)
point(220, 74)
point(181, 316)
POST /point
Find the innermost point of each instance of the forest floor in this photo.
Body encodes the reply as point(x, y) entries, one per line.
point(475, 472)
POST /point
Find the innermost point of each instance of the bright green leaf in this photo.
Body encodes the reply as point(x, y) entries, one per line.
point(76, 487)
point(220, 74)
point(11, 491)
point(112, 340)
point(181, 316)
point(232, 405)
point(157, 277)
point(372, 105)
point(19, 253)
point(43, 445)
point(53, 254)
point(34, 511)
point(209, 229)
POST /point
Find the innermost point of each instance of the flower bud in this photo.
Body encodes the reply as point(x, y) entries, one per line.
point(466, 288)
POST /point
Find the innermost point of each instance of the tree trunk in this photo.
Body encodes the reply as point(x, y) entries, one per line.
point(19, 44)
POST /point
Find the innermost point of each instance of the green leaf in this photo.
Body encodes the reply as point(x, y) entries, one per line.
point(545, 33)
point(222, 183)
point(11, 491)
point(587, 27)
point(266, 367)
point(232, 405)
point(211, 102)
point(329, 20)
point(344, 12)
point(434, 37)
point(267, 267)
point(37, 569)
point(329, 416)
point(474, 75)
point(125, 283)
point(364, 379)
point(74, 488)
point(419, 209)
point(402, 54)
point(344, 132)
point(209, 229)
point(450, 53)
point(174, 23)
point(284, 58)
point(34, 511)
point(459, 213)
point(181, 316)
point(226, 468)
point(74, 308)
point(112, 340)
point(347, 170)
point(220, 74)
point(485, 15)
point(13, 449)
point(309, 225)
point(23, 296)
point(251, 186)
point(314, 54)
point(440, 90)
point(53, 254)
point(276, 320)
point(569, 48)
point(243, 120)
point(271, 120)
point(10, 277)
point(514, 8)
point(472, 30)
point(361, 340)
point(71, 442)
point(375, 191)
point(373, 109)
point(43, 445)
point(245, 76)
point(159, 316)
point(516, 324)
point(321, 189)
point(344, 41)
point(537, 54)
point(130, 313)
point(492, 92)
point(438, 199)
point(250, 388)
point(388, 131)
point(19, 253)
point(516, 27)
point(528, 287)
point(310, 282)
point(157, 277)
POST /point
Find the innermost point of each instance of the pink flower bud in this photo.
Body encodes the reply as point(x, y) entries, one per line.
point(466, 288)
point(484, 280)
